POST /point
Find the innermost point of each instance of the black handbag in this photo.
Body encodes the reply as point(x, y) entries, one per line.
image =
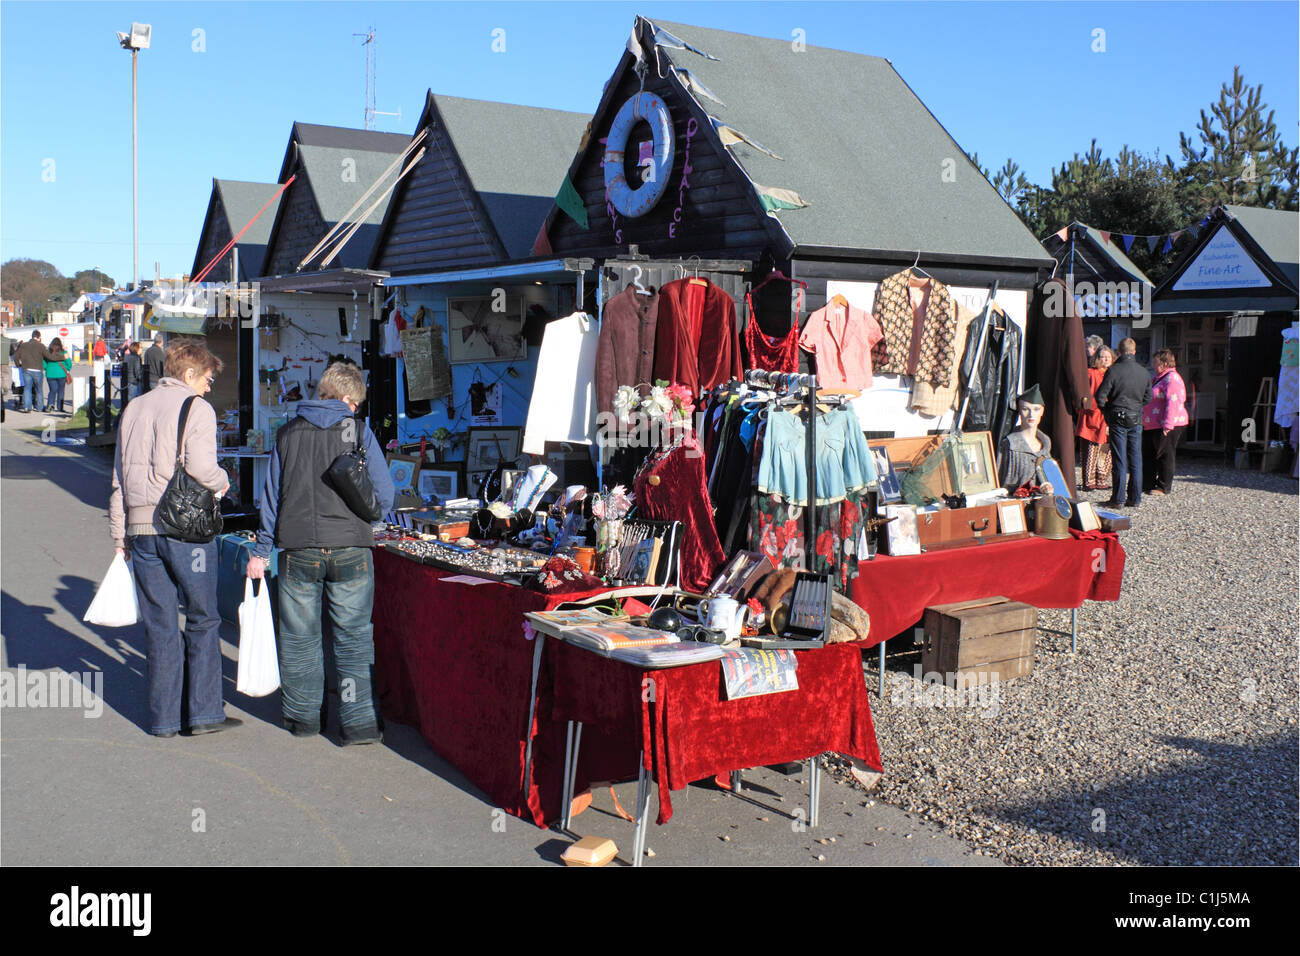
point(349, 475)
point(187, 511)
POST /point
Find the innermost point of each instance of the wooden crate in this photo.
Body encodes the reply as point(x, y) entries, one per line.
point(982, 637)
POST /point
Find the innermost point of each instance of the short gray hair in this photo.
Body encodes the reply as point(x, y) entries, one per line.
point(342, 378)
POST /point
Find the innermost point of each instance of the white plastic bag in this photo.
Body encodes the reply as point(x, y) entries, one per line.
point(115, 603)
point(259, 668)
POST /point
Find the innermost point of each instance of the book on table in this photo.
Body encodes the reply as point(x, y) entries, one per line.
point(604, 638)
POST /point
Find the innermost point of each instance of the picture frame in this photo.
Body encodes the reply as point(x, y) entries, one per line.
point(485, 448)
point(1011, 517)
point(891, 489)
point(1086, 517)
point(1218, 358)
point(978, 465)
point(479, 331)
point(439, 484)
point(903, 535)
point(403, 469)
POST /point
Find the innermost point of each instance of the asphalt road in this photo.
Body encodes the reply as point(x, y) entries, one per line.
point(80, 789)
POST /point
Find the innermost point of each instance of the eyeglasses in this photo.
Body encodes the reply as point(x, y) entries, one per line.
point(210, 380)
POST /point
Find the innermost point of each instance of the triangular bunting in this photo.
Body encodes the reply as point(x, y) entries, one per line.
point(1128, 242)
point(1174, 237)
point(570, 203)
point(1062, 233)
point(772, 198)
point(695, 86)
point(730, 137)
point(1169, 244)
point(1151, 243)
point(1105, 237)
point(664, 38)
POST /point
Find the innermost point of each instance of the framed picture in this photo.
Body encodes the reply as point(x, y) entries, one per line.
point(890, 488)
point(978, 473)
point(403, 470)
point(439, 484)
point(1218, 358)
point(1173, 334)
point(904, 538)
point(1085, 517)
point(486, 329)
point(488, 447)
point(1011, 517)
point(1193, 354)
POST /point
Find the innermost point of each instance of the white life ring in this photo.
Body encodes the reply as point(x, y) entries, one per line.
point(637, 202)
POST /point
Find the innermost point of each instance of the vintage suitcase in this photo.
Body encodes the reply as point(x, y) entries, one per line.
point(956, 527)
point(1110, 521)
point(980, 638)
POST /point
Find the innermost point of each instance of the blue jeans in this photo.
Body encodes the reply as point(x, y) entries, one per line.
point(167, 573)
point(33, 388)
point(1126, 463)
point(347, 577)
point(56, 387)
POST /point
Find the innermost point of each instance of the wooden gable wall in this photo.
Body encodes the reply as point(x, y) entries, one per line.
point(300, 227)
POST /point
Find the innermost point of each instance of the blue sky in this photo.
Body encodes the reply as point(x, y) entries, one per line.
point(1016, 80)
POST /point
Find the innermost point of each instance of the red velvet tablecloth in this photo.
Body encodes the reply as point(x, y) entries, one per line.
point(895, 591)
point(453, 660)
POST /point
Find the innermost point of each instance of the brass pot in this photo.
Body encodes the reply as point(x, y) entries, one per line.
point(1052, 517)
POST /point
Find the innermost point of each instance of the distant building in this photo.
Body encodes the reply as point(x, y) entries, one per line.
point(11, 313)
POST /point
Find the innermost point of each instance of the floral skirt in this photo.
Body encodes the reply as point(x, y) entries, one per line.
point(776, 528)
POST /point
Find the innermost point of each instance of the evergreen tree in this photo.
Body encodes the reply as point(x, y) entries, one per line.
point(1241, 158)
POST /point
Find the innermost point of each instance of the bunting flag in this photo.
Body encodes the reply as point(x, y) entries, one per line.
point(730, 137)
point(634, 46)
point(1174, 238)
point(1151, 243)
point(773, 199)
point(1128, 242)
point(1105, 237)
point(695, 86)
point(1062, 233)
point(570, 203)
point(1194, 230)
point(664, 38)
point(1169, 244)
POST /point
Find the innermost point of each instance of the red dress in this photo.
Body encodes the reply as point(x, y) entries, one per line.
point(681, 495)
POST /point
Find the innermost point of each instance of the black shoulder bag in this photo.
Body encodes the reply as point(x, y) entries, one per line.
point(349, 475)
point(188, 511)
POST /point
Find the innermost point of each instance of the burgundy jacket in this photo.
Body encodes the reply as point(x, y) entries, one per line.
point(696, 343)
point(625, 352)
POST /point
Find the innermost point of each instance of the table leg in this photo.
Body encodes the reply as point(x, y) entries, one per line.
point(814, 791)
point(538, 638)
point(573, 768)
point(881, 692)
point(736, 783)
point(1074, 629)
point(642, 803)
point(566, 801)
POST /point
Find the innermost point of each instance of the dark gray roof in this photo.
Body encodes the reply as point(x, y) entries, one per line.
point(515, 157)
point(1103, 246)
point(242, 201)
point(343, 137)
point(857, 145)
point(1277, 231)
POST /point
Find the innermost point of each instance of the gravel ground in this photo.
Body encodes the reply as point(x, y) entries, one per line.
point(1169, 739)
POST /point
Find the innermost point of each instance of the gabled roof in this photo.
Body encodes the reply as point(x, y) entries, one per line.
point(338, 165)
point(1096, 244)
point(512, 157)
point(1268, 238)
point(239, 202)
point(855, 143)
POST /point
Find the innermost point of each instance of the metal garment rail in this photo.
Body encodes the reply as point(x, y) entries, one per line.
point(788, 381)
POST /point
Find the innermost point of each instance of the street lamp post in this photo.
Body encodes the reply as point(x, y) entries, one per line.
point(135, 41)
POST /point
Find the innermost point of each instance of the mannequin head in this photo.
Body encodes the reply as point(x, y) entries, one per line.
point(1031, 407)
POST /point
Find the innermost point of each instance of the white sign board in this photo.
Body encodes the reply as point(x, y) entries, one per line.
point(1222, 264)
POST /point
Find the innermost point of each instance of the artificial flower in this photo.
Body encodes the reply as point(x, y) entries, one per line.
point(626, 400)
point(659, 404)
point(500, 509)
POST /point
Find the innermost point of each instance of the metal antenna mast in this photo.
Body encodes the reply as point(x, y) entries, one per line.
point(370, 43)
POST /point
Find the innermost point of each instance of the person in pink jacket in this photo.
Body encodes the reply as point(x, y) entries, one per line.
point(1163, 421)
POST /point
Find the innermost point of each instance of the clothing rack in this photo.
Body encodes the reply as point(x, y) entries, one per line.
point(789, 381)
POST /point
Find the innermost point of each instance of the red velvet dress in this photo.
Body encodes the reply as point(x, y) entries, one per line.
point(681, 495)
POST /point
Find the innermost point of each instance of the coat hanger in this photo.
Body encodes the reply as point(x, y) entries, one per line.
point(636, 282)
point(916, 266)
point(839, 300)
point(774, 275)
point(695, 273)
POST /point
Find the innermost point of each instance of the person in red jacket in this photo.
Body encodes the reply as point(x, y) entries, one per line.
point(1092, 429)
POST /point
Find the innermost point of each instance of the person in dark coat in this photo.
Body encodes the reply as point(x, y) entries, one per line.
point(1061, 367)
point(132, 372)
point(1121, 396)
point(153, 364)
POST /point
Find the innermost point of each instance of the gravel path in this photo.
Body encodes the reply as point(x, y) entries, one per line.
point(1171, 738)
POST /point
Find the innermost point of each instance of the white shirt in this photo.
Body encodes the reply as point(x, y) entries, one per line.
point(563, 406)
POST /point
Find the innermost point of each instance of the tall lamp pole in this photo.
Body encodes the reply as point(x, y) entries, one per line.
point(135, 41)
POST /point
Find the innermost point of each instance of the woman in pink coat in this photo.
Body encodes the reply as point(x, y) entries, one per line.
point(1163, 421)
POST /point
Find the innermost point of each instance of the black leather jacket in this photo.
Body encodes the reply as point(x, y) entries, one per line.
point(1123, 392)
point(992, 388)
